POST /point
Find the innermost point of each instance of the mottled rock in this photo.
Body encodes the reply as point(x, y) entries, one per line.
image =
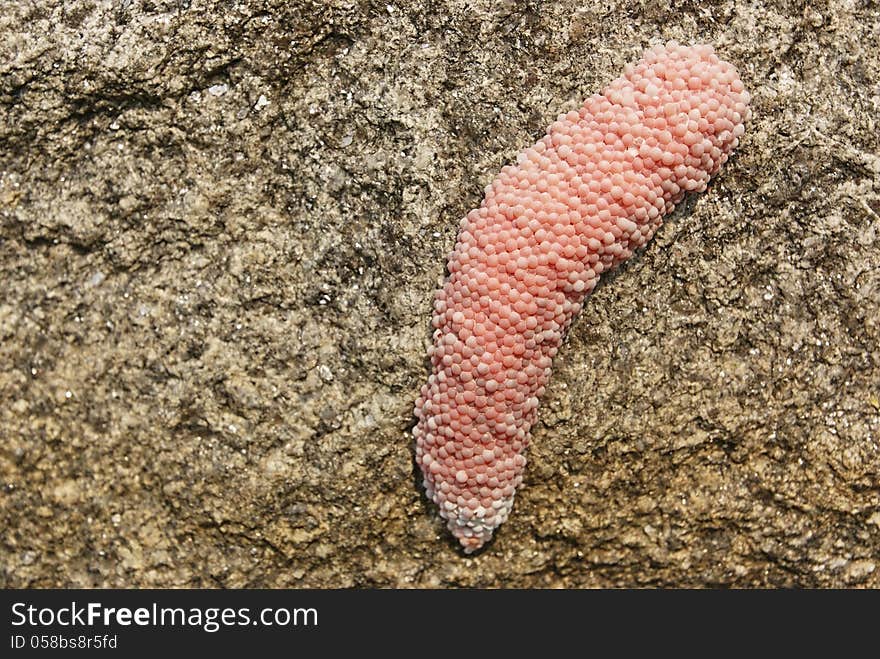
point(221, 226)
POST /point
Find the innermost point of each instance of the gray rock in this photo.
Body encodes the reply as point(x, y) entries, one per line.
point(221, 226)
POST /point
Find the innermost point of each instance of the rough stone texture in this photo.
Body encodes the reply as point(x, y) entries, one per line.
point(221, 225)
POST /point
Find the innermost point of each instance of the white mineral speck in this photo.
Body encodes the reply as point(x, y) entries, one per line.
point(218, 90)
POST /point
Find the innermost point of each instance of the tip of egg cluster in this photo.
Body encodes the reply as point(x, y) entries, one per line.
point(473, 543)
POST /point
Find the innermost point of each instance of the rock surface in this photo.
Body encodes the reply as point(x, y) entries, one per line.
point(221, 226)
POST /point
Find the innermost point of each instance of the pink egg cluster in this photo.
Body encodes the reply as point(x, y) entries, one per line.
point(574, 206)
